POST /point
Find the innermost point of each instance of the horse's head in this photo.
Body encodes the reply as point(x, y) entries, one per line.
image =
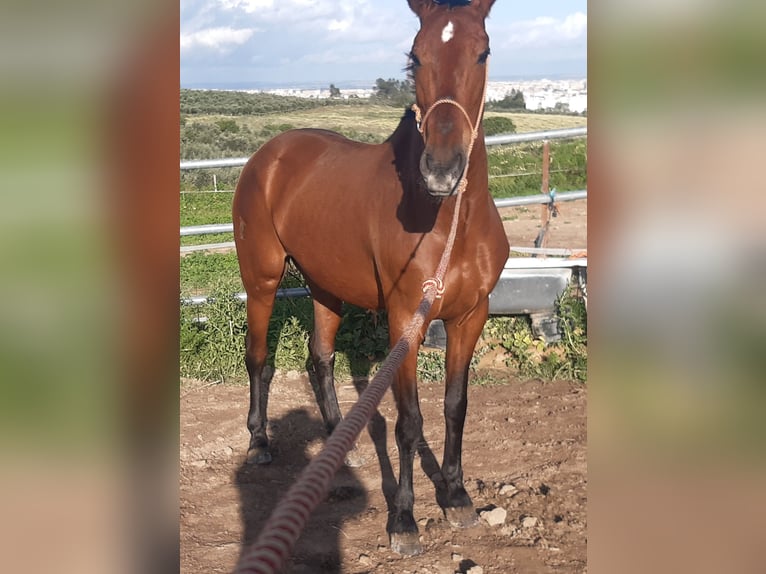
point(448, 62)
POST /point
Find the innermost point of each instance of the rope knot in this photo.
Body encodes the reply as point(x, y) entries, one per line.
point(436, 283)
point(418, 117)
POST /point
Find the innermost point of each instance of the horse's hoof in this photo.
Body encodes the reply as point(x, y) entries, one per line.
point(461, 516)
point(406, 543)
point(258, 455)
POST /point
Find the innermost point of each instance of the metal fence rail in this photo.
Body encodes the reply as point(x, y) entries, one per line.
point(209, 228)
point(500, 139)
point(540, 198)
point(564, 133)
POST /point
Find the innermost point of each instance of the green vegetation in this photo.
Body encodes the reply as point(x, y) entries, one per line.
point(225, 103)
point(516, 170)
point(512, 101)
point(212, 338)
point(212, 341)
point(392, 92)
point(531, 356)
point(498, 125)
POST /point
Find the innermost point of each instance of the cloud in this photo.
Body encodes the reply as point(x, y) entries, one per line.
point(249, 6)
point(220, 39)
point(339, 25)
point(544, 32)
point(285, 11)
point(293, 40)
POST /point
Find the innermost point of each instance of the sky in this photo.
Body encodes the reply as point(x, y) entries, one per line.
point(293, 43)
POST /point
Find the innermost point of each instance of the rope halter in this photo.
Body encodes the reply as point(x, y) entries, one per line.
point(436, 283)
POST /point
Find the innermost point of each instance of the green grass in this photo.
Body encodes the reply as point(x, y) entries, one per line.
point(516, 170)
point(202, 208)
point(214, 349)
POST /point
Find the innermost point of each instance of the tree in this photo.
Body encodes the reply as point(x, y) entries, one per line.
point(227, 125)
point(498, 125)
point(334, 92)
point(512, 101)
point(394, 92)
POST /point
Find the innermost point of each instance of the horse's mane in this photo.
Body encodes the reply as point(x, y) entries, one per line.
point(408, 114)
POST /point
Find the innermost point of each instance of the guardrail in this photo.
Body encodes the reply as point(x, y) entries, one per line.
point(541, 198)
point(500, 139)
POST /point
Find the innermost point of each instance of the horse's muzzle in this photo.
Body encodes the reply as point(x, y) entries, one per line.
point(441, 177)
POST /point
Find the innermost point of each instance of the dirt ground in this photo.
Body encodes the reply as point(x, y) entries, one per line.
point(568, 229)
point(524, 452)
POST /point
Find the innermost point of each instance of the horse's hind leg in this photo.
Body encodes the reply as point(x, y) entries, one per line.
point(259, 307)
point(261, 273)
point(461, 340)
point(327, 318)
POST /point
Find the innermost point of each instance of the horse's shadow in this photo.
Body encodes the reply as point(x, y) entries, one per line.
point(262, 486)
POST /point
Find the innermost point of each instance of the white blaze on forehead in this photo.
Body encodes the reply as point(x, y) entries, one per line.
point(448, 32)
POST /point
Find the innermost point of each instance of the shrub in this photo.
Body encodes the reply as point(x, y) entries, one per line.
point(498, 125)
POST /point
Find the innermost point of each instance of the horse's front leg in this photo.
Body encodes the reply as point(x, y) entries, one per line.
point(462, 335)
point(402, 528)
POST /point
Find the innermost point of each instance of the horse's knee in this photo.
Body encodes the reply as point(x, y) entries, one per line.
point(409, 428)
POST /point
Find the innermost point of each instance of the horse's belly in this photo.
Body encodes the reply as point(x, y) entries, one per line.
point(336, 262)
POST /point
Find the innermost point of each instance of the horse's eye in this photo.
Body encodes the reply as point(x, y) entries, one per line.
point(414, 62)
point(483, 57)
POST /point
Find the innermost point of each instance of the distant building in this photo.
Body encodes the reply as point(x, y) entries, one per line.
point(538, 94)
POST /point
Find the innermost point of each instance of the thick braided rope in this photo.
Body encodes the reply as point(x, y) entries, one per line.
point(280, 533)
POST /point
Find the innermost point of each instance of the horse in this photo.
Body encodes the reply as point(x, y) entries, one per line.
point(366, 224)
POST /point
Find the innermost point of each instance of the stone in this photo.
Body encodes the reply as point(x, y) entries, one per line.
point(457, 557)
point(529, 522)
point(508, 490)
point(494, 517)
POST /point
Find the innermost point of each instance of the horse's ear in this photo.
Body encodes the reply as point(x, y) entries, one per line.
point(484, 6)
point(420, 7)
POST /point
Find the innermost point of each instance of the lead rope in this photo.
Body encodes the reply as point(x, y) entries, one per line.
point(275, 543)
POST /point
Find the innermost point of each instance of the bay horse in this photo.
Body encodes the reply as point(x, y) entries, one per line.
point(366, 225)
